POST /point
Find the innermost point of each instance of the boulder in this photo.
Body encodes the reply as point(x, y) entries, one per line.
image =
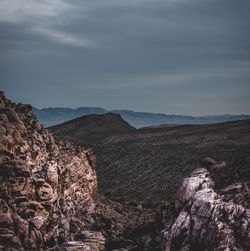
point(204, 220)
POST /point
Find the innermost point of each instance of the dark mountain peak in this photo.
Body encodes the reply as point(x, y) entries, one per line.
point(94, 126)
point(111, 116)
point(105, 115)
point(102, 122)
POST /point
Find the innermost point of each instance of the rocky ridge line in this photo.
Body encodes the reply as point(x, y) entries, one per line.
point(47, 186)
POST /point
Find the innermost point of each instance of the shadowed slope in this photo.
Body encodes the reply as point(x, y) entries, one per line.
point(148, 165)
point(93, 127)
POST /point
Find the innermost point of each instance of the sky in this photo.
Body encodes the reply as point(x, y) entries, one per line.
point(170, 56)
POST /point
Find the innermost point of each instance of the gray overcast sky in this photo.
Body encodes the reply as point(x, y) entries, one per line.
point(171, 56)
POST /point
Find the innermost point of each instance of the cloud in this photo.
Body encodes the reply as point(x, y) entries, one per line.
point(33, 13)
point(177, 80)
point(62, 37)
point(16, 11)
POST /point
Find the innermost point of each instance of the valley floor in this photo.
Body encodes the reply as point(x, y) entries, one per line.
point(142, 169)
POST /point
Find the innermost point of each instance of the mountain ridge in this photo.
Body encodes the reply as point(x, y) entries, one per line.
point(53, 116)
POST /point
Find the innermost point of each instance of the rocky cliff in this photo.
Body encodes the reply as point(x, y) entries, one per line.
point(205, 221)
point(47, 186)
point(49, 198)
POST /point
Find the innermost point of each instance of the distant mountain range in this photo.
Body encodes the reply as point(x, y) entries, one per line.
point(54, 116)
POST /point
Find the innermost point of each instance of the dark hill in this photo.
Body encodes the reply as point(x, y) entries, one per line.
point(91, 128)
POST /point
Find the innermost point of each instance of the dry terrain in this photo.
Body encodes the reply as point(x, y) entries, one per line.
point(51, 197)
point(146, 166)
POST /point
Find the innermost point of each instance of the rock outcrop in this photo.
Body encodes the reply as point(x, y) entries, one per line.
point(49, 200)
point(205, 221)
point(47, 187)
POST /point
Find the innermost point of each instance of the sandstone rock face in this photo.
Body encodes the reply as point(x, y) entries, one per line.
point(47, 187)
point(49, 200)
point(205, 221)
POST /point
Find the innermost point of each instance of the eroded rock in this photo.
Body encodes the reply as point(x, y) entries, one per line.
point(205, 221)
point(47, 186)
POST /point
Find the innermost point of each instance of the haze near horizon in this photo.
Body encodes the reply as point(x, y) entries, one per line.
point(184, 57)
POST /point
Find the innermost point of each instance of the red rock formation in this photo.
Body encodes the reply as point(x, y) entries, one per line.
point(47, 187)
point(205, 221)
point(48, 193)
point(48, 200)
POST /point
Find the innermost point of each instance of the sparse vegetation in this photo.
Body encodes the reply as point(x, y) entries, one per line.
point(148, 165)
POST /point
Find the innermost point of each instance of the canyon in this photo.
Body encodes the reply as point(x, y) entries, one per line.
point(132, 190)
